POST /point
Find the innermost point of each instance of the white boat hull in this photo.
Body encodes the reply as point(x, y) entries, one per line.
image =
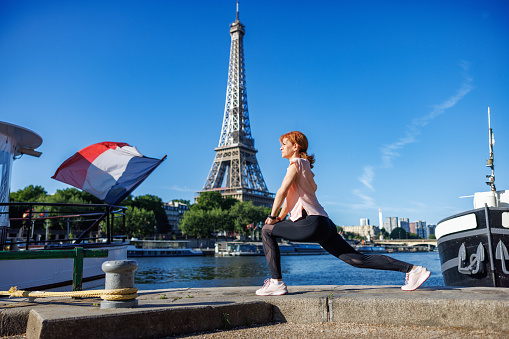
point(56, 274)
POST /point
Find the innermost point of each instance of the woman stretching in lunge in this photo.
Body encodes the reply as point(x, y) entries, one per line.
point(309, 222)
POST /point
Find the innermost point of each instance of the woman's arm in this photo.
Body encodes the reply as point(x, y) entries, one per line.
point(283, 212)
point(290, 176)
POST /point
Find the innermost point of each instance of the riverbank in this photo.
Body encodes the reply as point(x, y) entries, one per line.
point(170, 312)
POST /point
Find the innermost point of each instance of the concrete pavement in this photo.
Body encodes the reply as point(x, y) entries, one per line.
point(163, 313)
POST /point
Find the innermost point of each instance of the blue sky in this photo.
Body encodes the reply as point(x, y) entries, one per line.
point(393, 95)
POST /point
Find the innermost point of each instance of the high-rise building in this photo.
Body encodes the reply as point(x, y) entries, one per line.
point(412, 227)
point(235, 171)
point(420, 227)
point(404, 224)
point(364, 222)
point(390, 224)
point(431, 229)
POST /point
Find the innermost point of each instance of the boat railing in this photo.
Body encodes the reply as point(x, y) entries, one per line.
point(51, 225)
point(77, 254)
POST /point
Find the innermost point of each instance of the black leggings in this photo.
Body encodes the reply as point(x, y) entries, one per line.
point(315, 228)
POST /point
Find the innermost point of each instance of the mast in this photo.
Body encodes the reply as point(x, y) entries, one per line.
point(490, 164)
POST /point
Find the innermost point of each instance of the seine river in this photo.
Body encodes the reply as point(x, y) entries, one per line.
point(183, 272)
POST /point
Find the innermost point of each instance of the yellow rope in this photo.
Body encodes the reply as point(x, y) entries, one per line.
point(117, 294)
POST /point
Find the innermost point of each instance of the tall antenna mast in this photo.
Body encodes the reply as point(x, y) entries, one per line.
point(491, 177)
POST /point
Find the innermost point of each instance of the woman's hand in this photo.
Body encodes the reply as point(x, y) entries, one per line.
point(270, 221)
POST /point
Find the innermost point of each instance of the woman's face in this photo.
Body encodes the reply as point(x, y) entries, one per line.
point(288, 149)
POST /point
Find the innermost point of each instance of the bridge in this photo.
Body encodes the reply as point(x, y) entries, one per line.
point(407, 243)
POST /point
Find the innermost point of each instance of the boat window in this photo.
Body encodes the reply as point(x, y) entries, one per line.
point(505, 219)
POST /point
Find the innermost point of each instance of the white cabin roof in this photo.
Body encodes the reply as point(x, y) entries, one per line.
point(21, 137)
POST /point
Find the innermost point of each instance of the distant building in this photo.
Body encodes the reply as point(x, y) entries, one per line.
point(362, 230)
point(411, 225)
point(390, 224)
point(404, 224)
point(431, 229)
point(364, 222)
point(174, 211)
point(421, 230)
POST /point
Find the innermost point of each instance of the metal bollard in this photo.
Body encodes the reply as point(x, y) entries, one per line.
point(119, 274)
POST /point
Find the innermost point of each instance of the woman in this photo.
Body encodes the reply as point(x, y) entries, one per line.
point(308, 221)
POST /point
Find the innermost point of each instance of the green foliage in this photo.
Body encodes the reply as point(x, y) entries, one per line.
point(210, 200)
point(399, 233)
point(30, 193)
point(139, 222)
point(244, 213)
point(152, 203)
point(214, 213)
point(432, 236)
point(142, 214)
point(207, 216)
point(385, 234)
point(195, 223)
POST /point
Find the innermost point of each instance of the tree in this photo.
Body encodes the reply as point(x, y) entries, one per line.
point(245, 213)
point(30, 193)
point(432, 236)
point(70, 196)
point(195, 223)
point(219, 220)
point(152, 203)
point(213, 199)
point(139, 223)
point(399, 233)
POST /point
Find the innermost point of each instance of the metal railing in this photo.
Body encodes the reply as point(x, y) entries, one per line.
point(53, 225)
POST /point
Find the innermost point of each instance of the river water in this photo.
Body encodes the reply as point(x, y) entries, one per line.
point(183, 272)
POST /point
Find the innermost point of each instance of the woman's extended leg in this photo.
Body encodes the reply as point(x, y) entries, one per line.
point(339, 248)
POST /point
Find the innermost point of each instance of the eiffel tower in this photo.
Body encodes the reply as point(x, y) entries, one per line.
point(235, 171)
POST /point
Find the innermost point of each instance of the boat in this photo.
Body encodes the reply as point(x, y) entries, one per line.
point(237, 248)
point(36, 227)
point(241, 248)
point(160, 248)
point(364, 249)
point(473, 245)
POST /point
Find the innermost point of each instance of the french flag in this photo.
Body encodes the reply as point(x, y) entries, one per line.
point(108, 170)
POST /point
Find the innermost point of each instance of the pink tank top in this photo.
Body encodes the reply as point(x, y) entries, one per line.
point(301, 194)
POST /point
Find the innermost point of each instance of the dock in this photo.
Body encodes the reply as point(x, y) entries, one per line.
point(170, 312)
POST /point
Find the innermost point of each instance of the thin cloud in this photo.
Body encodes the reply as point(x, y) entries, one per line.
point(367, 177)
point(391, 151)
point(365, 200)
point(180, 189)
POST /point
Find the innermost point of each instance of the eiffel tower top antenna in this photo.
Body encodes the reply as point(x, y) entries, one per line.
point(235, 171)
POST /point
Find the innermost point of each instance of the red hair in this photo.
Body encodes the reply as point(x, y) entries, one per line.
point(296, 137)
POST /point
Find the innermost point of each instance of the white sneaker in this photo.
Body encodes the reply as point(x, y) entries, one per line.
point(271, 288)
point(415, 278)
